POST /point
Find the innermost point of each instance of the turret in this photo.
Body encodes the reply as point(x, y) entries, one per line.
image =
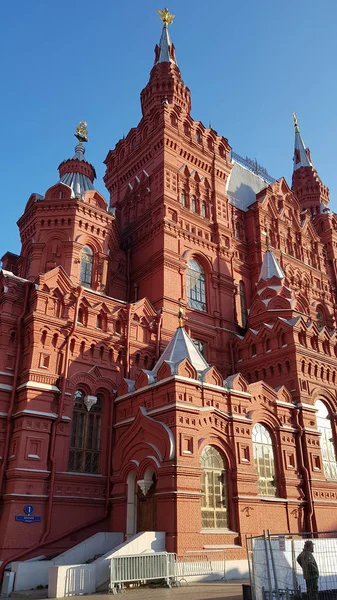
point(309, 189)
point(70, 226)
point(166, 85)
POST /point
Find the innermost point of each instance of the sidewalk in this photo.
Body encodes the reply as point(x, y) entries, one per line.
point(214, 590)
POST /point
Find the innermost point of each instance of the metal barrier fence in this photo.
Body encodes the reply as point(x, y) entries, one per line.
point(141, 567)
point(166, 566)
point(275, 573)
point(194, 563)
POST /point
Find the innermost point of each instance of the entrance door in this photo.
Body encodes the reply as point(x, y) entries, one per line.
point(146, 510)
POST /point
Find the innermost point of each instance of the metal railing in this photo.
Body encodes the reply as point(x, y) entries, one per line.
point(141, 567)
point(166, 566)
point(194, 563)
point(253, 166)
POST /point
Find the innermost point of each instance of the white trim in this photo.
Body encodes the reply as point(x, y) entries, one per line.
point(290, 500)
point(33, 456)
point(221, 546)
point(35, 385)
point(304, 405)
point(283, 403)
point(38, 413)
point(180, 378)
point(80, 474)
point(28, 495)
point(3, 414)
point(4, 386)
point(175, 493)
point(6, 374)
point(100, 498)
point(22, 469)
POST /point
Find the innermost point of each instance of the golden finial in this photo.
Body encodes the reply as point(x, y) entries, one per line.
point(181, 317)
point(165, 16)
point(82, 132)
point(295, 122)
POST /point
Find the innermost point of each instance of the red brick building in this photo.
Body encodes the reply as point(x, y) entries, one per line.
point(111, 417)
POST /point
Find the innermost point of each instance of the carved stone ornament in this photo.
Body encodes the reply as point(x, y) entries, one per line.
point(145, 483)
point(89, 401)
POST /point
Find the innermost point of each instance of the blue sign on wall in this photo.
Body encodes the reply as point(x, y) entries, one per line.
point(28, 517)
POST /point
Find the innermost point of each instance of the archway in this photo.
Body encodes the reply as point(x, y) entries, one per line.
point(146, 502)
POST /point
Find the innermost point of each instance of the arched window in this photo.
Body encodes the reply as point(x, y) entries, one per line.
point(320, 318)
point(194, 204)
point(203, 209)
point(85, 438)
point(264, 460)
point(183, 198)
point(326, 441)
point(243, 307)
point(87, 258)
point(196, 289)
point(214, 503)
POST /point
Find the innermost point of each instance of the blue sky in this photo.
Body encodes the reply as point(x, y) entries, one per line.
point(249, 65)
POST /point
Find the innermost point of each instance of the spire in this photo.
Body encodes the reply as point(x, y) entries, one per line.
point(76, 172)
point(180, 347)
point(301, 153)
point(165, 52)
point(270, 267)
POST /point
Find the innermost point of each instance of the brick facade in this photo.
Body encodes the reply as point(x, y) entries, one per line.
point(270, 343)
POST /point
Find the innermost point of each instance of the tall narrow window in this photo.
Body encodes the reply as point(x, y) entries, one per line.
point(87, 258)
point(214, 502)
point(85, 438)
point(183, 198)
point(320, 318)
point(326, 441)
point(196, 289)
point(203, 209)
point(264, 460)
point(28, 264)
point(243, 307)
point(194, 204)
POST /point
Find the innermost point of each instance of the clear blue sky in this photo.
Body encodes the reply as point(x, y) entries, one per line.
point(249, 65)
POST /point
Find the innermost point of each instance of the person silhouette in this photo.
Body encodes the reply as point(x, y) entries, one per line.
point(310, 569)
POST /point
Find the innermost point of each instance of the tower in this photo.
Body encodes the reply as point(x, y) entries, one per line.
point(167, 182)
point(309, 189)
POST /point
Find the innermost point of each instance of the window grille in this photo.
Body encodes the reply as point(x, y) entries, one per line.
point(87, 258)
point(85, 439)
point(326, 441)
point(264, 460)
point(214, 503)
point(196, 288)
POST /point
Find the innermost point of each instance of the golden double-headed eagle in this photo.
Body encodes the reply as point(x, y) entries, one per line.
point(82, 131)
point(165, 16)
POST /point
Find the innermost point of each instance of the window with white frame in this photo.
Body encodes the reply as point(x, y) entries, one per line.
point(264, 460)
point(85, 439)
point(326, 441)
point(196, 286)
point(214, 502)
point(87, 259)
